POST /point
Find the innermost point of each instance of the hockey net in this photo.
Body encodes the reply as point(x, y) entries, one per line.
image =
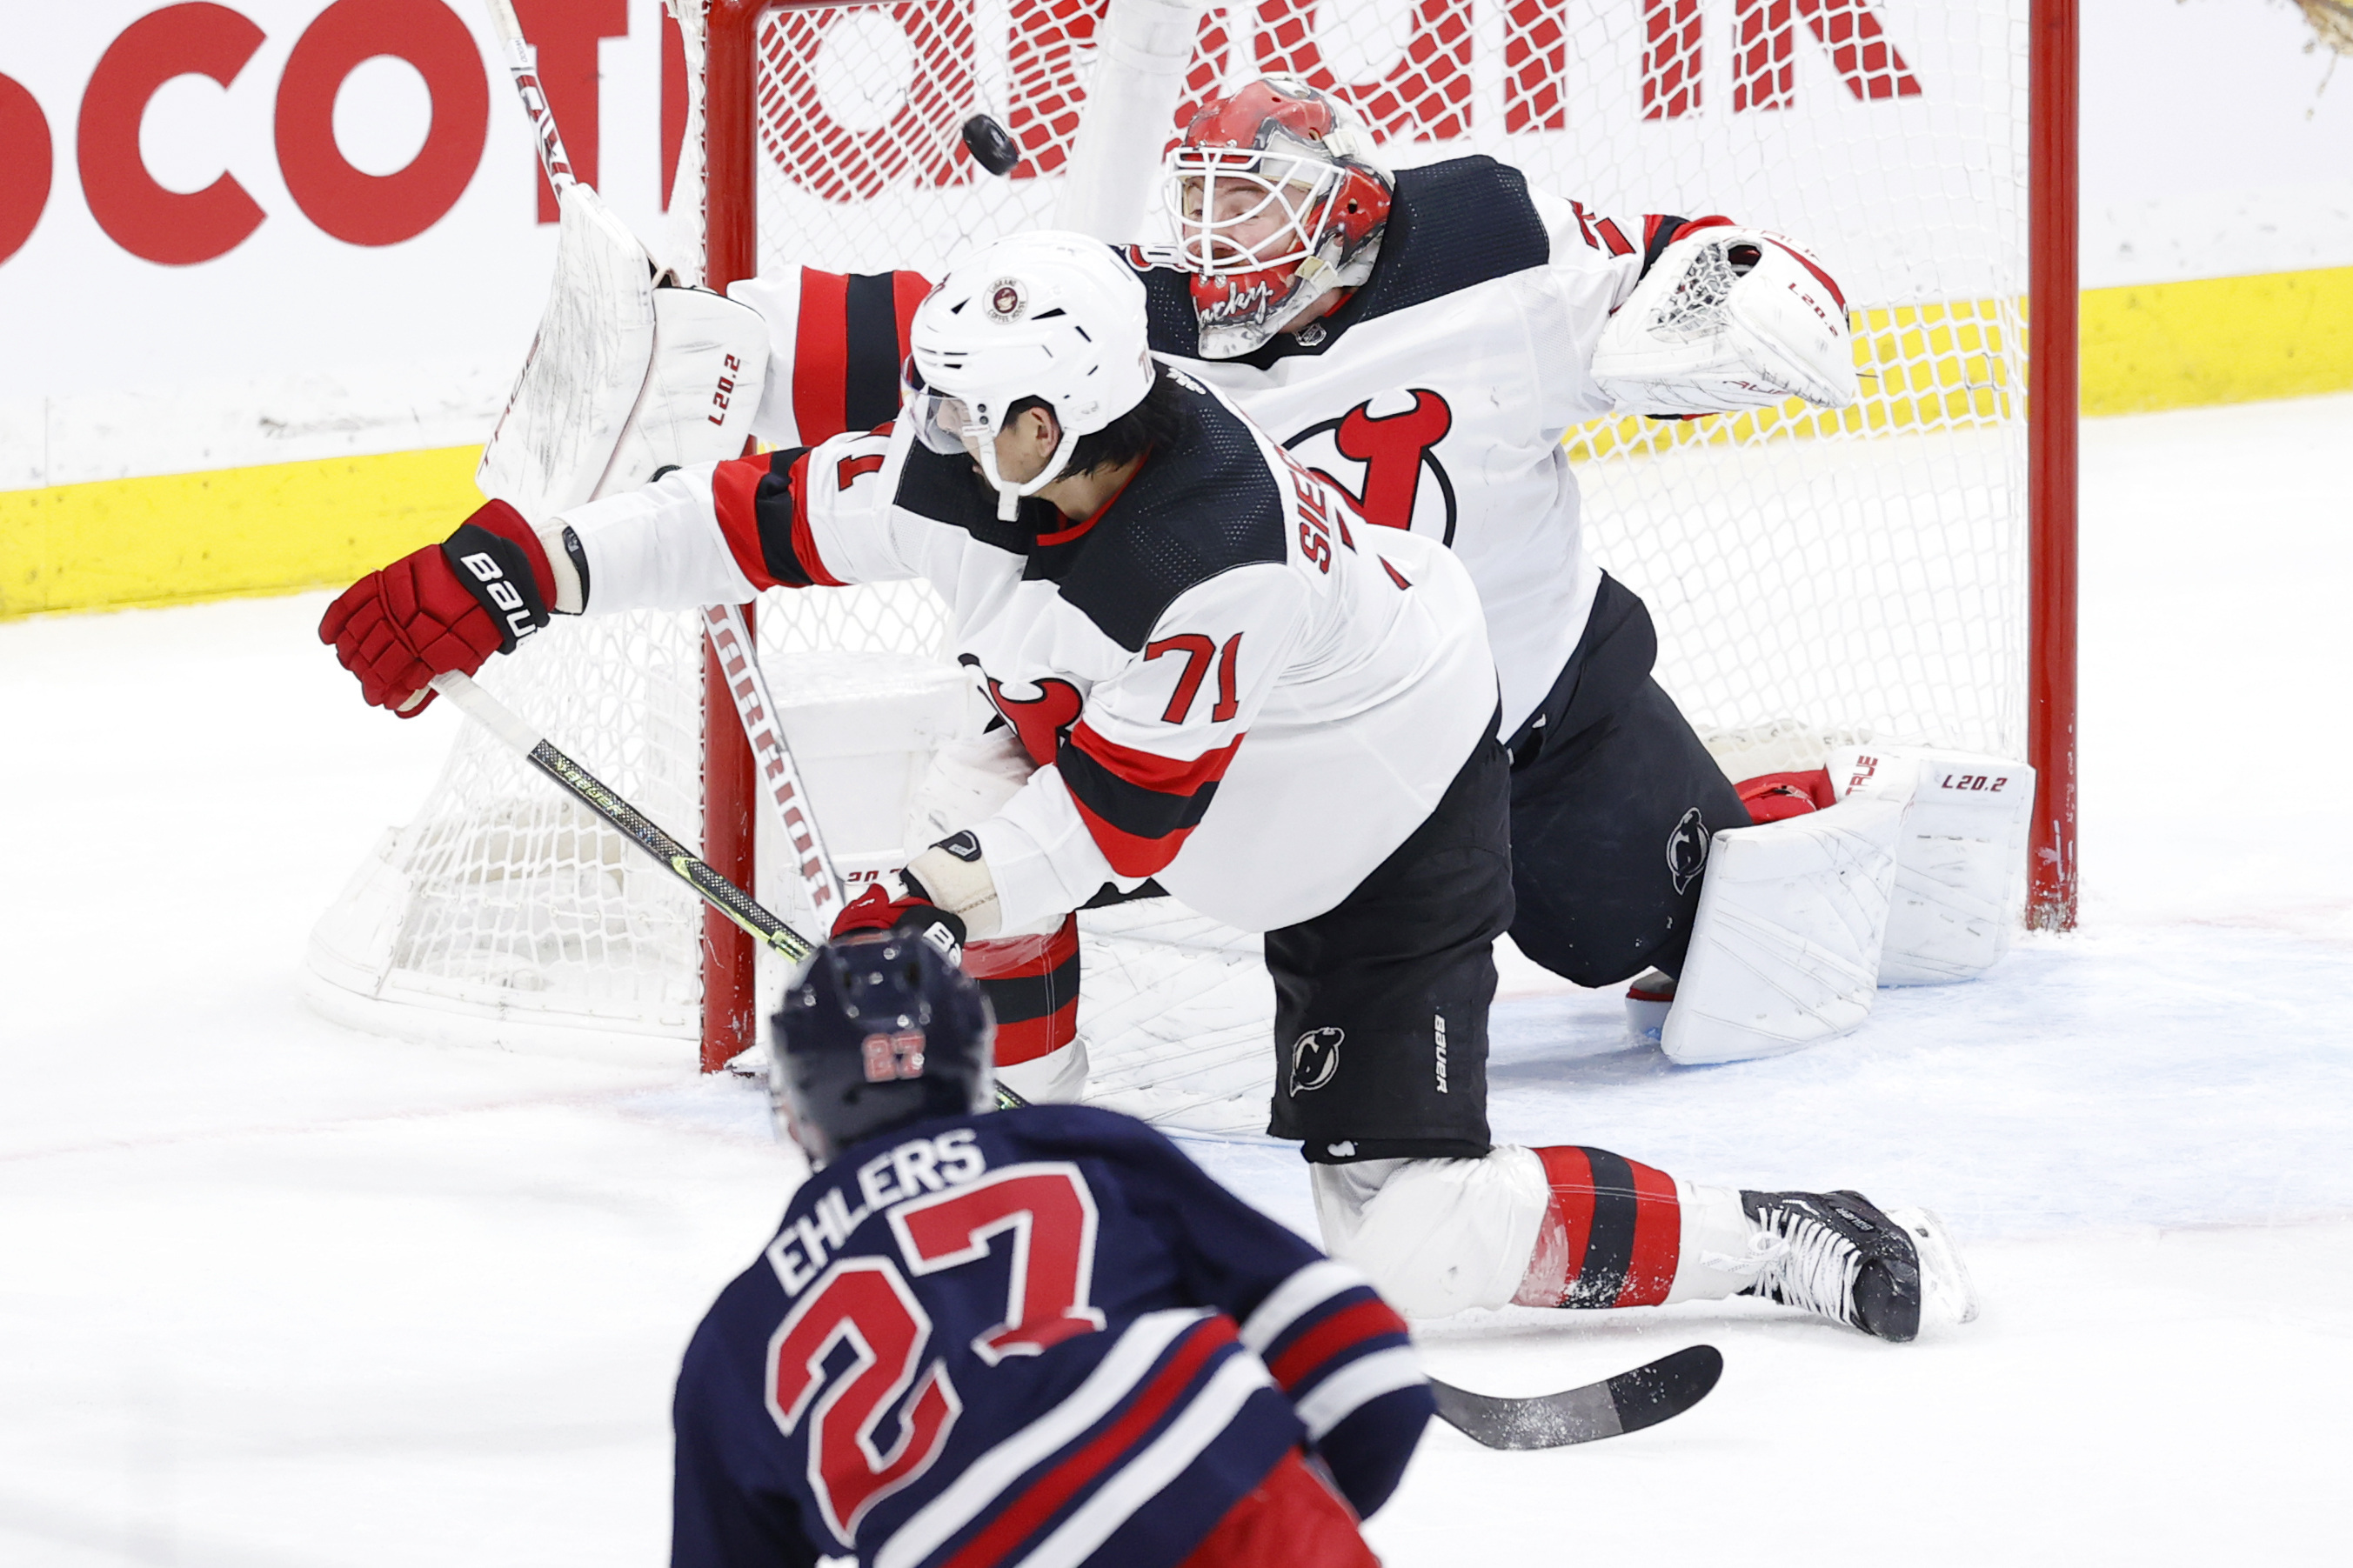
point(1862, 573)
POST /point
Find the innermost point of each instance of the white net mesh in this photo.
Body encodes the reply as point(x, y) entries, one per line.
point(1861, 573)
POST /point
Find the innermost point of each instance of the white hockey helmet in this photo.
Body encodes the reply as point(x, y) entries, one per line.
point(1047, 315)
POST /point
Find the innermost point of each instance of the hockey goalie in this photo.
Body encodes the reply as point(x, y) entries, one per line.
point(1212, 675)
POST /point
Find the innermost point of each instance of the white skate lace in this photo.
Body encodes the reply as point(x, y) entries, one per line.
point(1801, 1262)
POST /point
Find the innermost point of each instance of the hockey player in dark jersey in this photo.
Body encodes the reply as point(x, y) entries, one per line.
point(1039, 1336)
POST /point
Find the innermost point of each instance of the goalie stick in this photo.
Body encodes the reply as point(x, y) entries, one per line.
point(522, 64)
point(638, 828)
point(1650, 1394)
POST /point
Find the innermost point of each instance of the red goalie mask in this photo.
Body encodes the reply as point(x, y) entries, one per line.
point(1276, 202)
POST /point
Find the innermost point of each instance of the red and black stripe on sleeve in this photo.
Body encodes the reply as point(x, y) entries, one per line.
point(851, 342)
point(762, 508)
point(1140, 806)
point(1622, 1224)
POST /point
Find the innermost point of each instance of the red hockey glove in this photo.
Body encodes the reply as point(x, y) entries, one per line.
point(1769, 797)
point(446, 607)
point(897, 903)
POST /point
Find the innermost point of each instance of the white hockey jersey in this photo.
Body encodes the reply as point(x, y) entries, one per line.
point(1229, 683)
point(1436, 397)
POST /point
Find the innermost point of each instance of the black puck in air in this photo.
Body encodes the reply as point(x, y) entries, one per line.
point(990, 144)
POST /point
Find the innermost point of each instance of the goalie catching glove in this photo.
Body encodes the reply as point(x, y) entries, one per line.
point(447, 607)
point(945, 896)
point(1728, 318)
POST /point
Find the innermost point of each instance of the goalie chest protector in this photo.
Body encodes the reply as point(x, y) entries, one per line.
point(1437, 396)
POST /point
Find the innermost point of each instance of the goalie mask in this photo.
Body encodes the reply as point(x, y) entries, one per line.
point(1057, 317)
point(1276, 202)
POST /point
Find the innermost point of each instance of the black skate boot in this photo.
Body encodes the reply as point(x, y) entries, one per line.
point(1834, 1254)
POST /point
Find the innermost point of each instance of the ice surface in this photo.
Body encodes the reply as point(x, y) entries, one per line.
point(273, 1293)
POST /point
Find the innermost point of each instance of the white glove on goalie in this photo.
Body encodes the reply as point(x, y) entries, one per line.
point(1728, 318)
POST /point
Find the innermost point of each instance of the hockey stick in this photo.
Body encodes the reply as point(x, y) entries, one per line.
point(522, 64)
point(634, 825)
point(640, 829)
point(1651, 1393)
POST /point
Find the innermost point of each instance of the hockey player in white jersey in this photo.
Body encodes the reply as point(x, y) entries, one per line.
point(1422, 339)
point(1222, 683)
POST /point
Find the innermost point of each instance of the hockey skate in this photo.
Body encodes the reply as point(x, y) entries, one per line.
point(1835, 1254)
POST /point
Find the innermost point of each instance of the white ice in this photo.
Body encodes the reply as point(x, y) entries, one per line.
point(272, 1293)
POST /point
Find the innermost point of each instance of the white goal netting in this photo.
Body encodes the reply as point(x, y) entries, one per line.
point(1862, 572)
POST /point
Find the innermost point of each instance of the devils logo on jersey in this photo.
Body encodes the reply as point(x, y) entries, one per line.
point(1042, 720)
point(1314, 1058)
point(1391, 455)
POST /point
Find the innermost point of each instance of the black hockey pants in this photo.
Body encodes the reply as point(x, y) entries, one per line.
point(1380, 1002)
point(1613, 803)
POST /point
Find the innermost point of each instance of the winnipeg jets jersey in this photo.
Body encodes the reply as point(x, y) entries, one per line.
point(1229, 684)
point(1032, 1336)
point(1436, 397)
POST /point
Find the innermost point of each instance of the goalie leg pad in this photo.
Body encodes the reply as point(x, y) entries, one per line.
point(1785, 950)
point(627, 376)
point(701, 388)
point(1960, 864)
point(586, 369)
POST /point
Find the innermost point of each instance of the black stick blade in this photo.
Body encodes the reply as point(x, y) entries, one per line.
point(1665, 1387)
point(991, 145)
point(1626, 1403)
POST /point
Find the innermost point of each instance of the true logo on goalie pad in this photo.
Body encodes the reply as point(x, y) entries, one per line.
point(1315, 1058)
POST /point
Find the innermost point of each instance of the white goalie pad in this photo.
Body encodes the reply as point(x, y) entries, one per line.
point(1785, 951)
point(625, 376)
point(1728, 318)
point(702, 388)
point(585, 370)
point(1960, 864)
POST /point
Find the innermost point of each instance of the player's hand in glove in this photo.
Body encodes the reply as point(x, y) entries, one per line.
point(447, 607)
point(897, 901)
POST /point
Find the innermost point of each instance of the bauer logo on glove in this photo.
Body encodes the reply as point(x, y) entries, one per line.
point(447, 607)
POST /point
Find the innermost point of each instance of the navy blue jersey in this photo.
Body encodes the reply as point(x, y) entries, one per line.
point(1037, 1336)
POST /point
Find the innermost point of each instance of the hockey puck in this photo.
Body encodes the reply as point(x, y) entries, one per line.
point(990, 144)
